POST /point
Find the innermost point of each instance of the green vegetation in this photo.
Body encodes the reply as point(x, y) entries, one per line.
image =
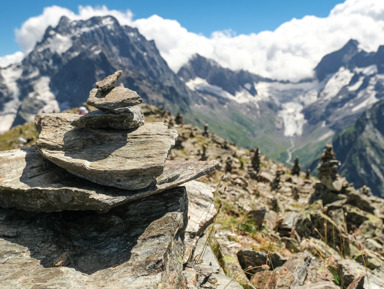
point(16, 137)
point(335, 274)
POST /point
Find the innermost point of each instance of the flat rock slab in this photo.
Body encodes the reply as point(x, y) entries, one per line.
point(124, 159)
point(130, 119)
point(137, 245)
point(30, 182)
point(114, 100)
point(109, 82)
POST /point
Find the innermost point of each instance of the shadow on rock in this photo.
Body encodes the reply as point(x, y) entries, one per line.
point(88, 241)
point(80, 143)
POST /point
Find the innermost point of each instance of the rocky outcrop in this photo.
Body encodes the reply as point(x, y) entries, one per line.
point(100, 206)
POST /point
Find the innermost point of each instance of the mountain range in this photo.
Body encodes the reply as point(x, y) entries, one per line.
point(284, 119)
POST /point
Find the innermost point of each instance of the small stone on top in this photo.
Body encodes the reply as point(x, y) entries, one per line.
point(109, 82)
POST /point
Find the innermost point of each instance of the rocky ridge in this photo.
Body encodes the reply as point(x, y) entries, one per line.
point(283, 228)
point(275, 228)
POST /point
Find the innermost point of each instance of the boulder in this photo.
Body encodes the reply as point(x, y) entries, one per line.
point(130, 119)
point(286, 223)
point(249, 258)
point(137, 245)
point(109, 82)
point(291, 275)
point(115, 100)
point(258, 215)
point(30, 182)
point(124, 159)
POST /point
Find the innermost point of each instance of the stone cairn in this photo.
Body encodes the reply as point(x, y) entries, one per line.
point(328, 170)
point(206, 132)
point(109, 147)
point(254, 169)
point(256, 160)
point(179, 119)
point(296, 168)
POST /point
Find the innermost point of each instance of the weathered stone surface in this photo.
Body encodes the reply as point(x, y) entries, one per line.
point(109, 82)
point(30, 182)
point(225, 250)
point(115, 100)
point(123, 159)
point(291, 275)
point(132, 118)
point(354, 276)
point(258, 215)
point(286, 223)
point(265, 177)
point(204, 270)
point(251, 258)
point(201, 212)
point(138, 245)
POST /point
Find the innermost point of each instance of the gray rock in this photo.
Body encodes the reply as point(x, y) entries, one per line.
point(291, 275)
point(115, 100)
point(30, 182)
point(137, 245)
point(349, 271)
point(251, 258)
point(109, 82)
point(258, 215)
point(286, 223)
point(124, 159)
point(201, 213)
point(355, 276)
point(131, 119)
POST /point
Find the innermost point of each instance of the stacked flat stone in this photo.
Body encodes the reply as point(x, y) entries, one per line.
point(116, 104)
point(97, 161)
point(102, 146)
point(328, 170)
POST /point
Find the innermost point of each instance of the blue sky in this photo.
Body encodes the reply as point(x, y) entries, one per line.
point(198, 16)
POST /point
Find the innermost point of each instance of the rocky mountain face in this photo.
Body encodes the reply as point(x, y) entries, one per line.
point(360, 149)
point(282, 118)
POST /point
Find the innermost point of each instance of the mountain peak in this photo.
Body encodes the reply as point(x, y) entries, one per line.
point(64, 21)
point(331, 63)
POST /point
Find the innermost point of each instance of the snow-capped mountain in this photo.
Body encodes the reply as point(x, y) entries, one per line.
point(307, 113)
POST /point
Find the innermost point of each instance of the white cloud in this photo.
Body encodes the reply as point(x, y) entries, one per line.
point(33, 29)
point(289, 52)
point(11, 58)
